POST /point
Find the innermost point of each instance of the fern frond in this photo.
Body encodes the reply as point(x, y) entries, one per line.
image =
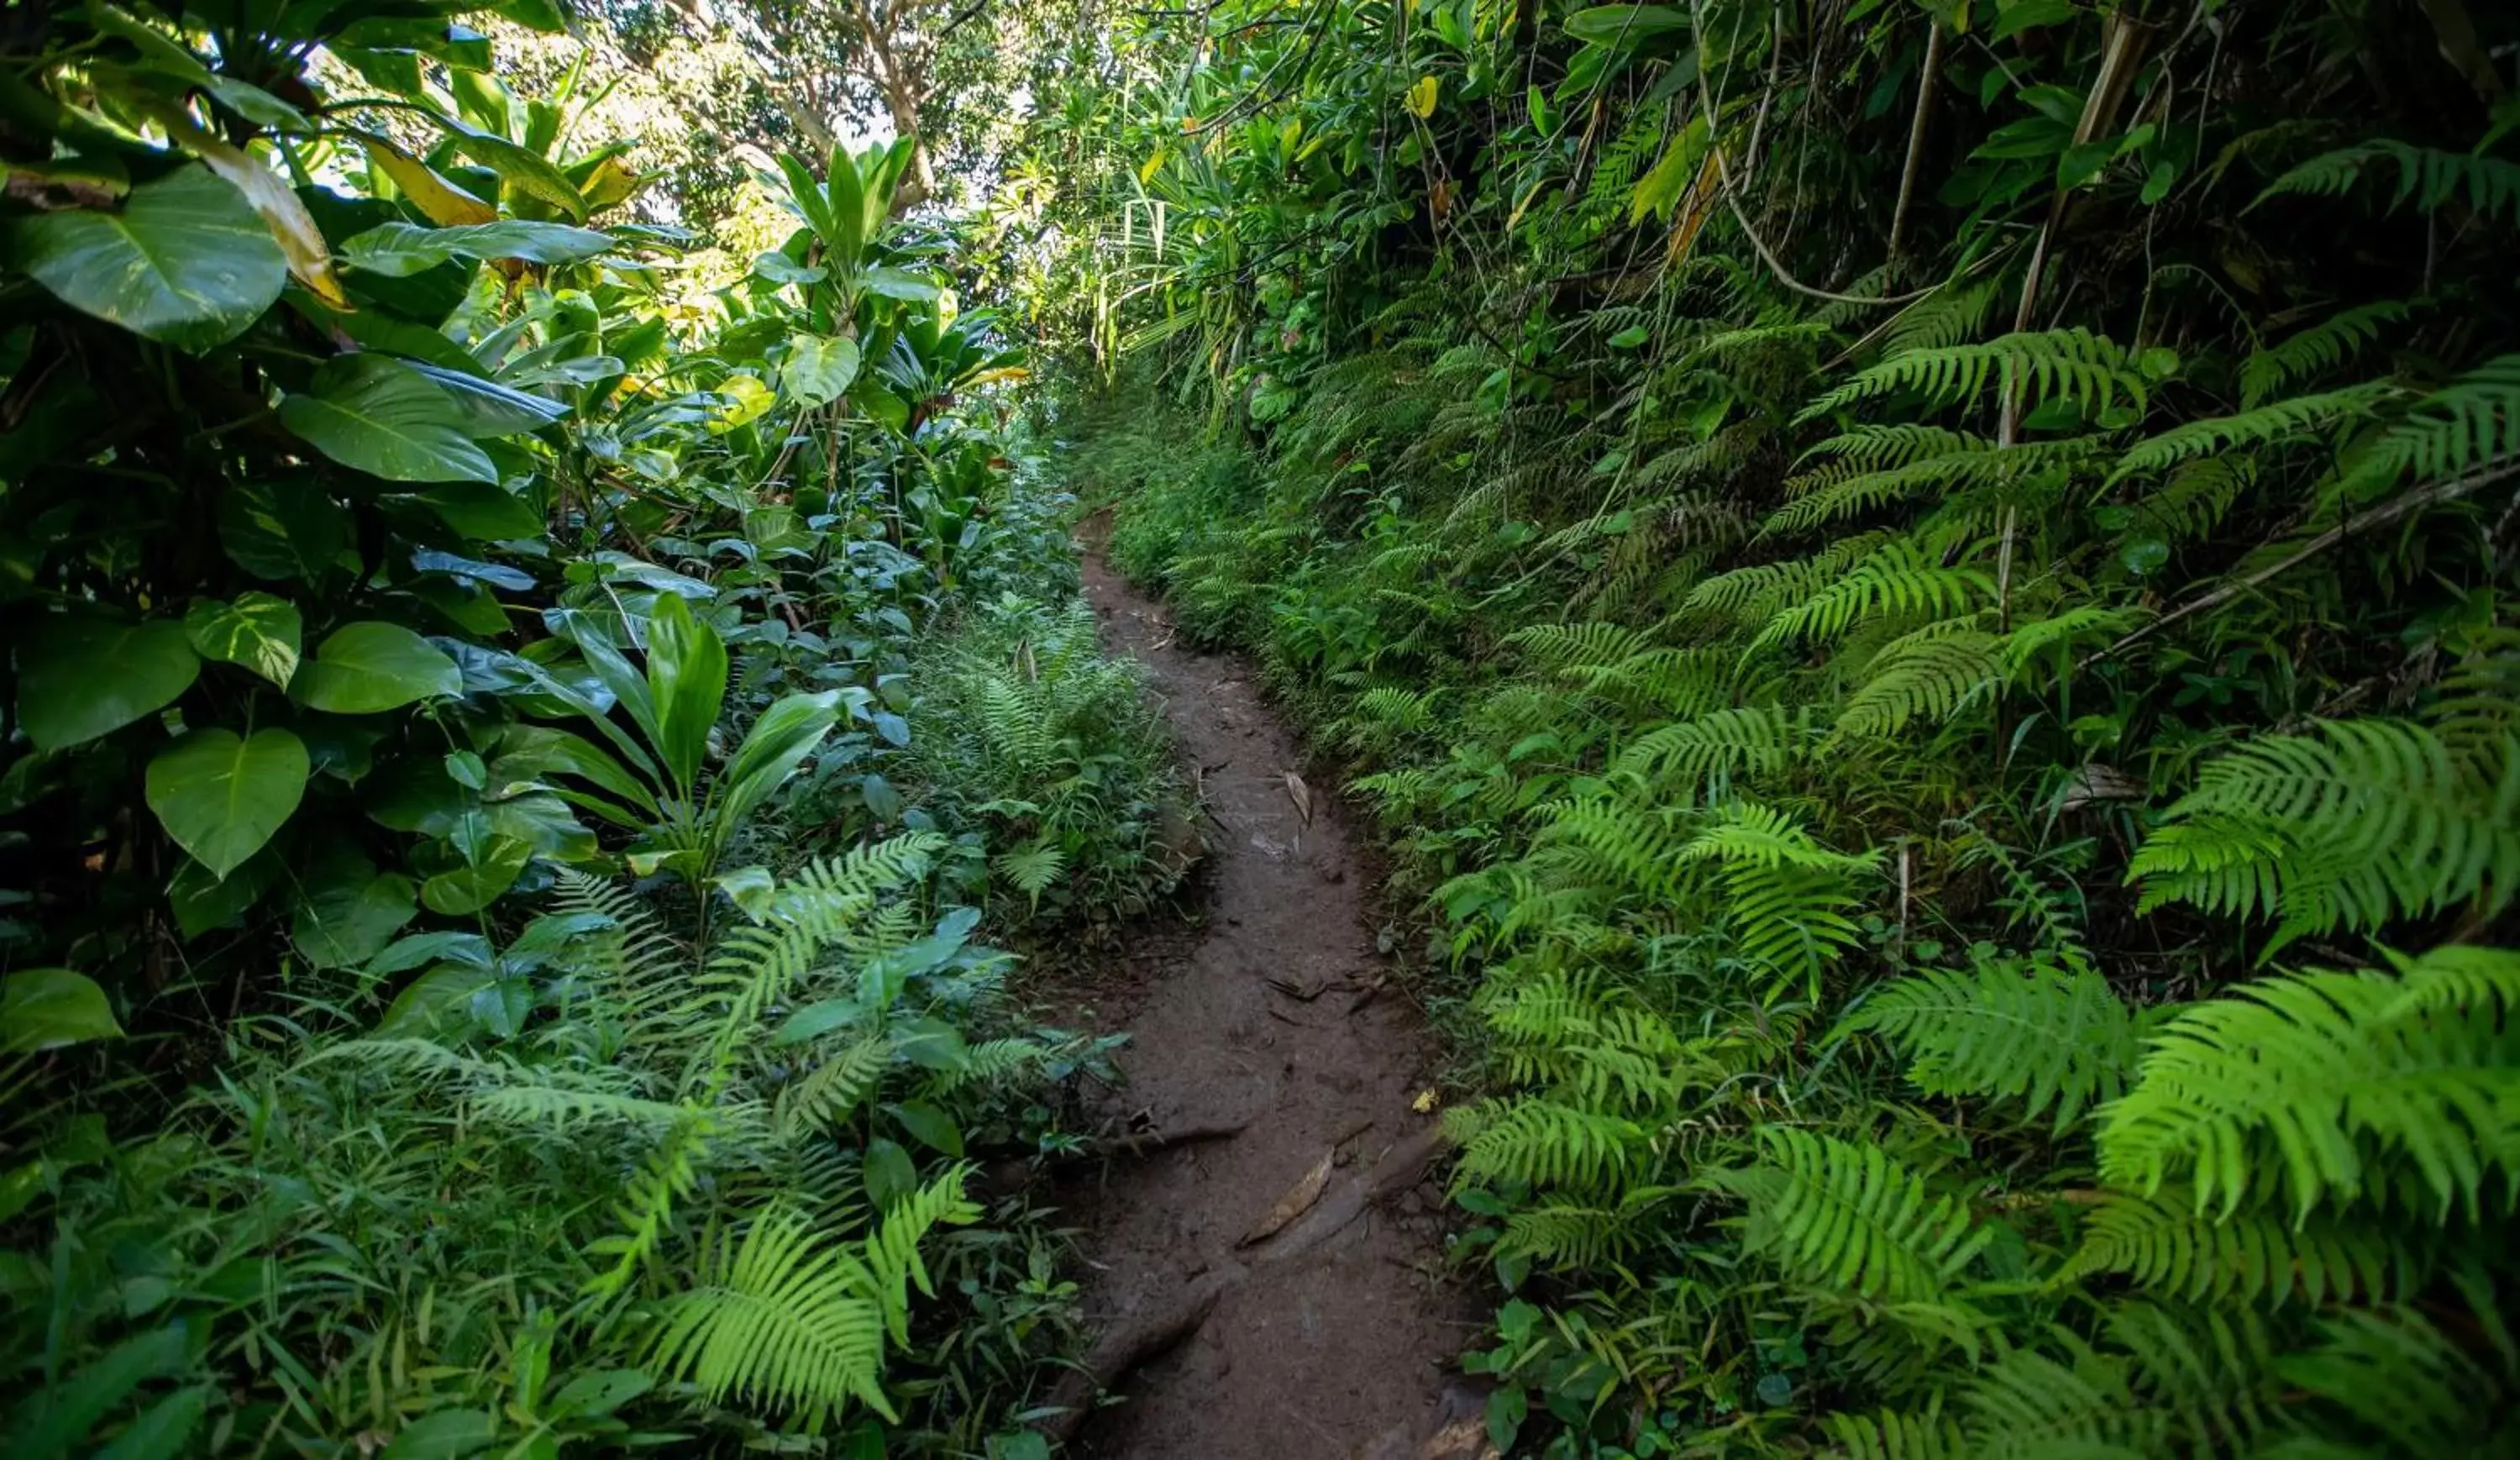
point(2281, 423)
point(780, 1317)
point(2364, 821)
point(1927, 678)
point(2020, 1031)
point(2039, 365)
point(1540, 1142)
point(2427, 176)
point(2317, 1084)
point(1898, 580)
point(2164, 1243)
point(1853, 1219)
point(2315, 350)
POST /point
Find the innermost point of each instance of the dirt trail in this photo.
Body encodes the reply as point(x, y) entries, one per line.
point(1329, 1339)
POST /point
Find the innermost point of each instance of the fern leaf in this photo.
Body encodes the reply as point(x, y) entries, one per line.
point(2023, 1031)
point(2317, 1084)
point(1853, 1219)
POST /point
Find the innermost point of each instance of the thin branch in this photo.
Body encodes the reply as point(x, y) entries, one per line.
point(2378, 517)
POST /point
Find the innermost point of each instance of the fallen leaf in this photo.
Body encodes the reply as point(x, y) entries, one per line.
point(1426, 1100)
point(1301, 795)
point(1297, 1201)
point(1302, 993)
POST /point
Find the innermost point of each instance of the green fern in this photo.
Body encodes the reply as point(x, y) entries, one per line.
point(2040, 365)
point(1851, 1219)
point(2358, 823)
point(2280, 423)
point(2164, 1243)
point(2315, 350)
point(1537, 1142)
point(1898, 580)
point(1924, 676)
point(779, 1317)
point(2024, 1031)
point(2470, 424)
point(2325, 1086)
point(2427, 176)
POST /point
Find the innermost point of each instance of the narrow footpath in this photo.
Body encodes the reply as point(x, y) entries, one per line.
point(1269, 1285)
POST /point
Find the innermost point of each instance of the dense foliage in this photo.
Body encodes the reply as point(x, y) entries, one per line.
point(1926, 592)
point(492, 963)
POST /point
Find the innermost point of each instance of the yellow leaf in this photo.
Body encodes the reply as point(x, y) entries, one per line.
point(441, 202)
point(309, 256)
point(1426, 1100)
point(1148, 169)
point(1421, 97)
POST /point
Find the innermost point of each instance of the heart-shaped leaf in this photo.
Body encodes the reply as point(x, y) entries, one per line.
point(468, 889)
point(81, 675)
point(366, 666)
point(186, 259)
point(350, 913)
point(46, 1008)
point(221, 796)
point(258, 630)
point(819, 369)
point(384, 418)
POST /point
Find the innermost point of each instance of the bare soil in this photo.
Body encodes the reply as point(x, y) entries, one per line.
point(1331, 1337)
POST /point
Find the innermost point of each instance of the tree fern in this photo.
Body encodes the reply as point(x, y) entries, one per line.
point(2040, 365)
point(2357, 823)
point(1853, 1219)
point(2320, 1085)
point(2024, 1031)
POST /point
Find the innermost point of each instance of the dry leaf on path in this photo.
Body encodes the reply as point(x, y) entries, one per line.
point(1301, 795)
point(1297, 1201)
point(1302, 993)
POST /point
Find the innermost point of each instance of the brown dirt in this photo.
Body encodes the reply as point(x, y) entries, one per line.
point(1332, 1337)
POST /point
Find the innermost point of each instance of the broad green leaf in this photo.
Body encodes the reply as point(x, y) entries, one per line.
point(202, 901)
point(350, 914)
point(1627, 25)
point(162, 1430)
point(47, 1008)
point(58, 1420)
point(221, 796)
point(898, 284)
point(82, 675)
point(185, 260)
point(287, 528)
point(368, 666)
point(477, 508)
point(401, 250)
point(817, 369)
point(527, 170)
point(749, 889)
point(443, 1435)
point(384, 418)
point(786, 734)
point(687, 669)
point(468, 889)
point(491, 409)
point(933, 1129)
point(779, 268)
point(256, 630)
